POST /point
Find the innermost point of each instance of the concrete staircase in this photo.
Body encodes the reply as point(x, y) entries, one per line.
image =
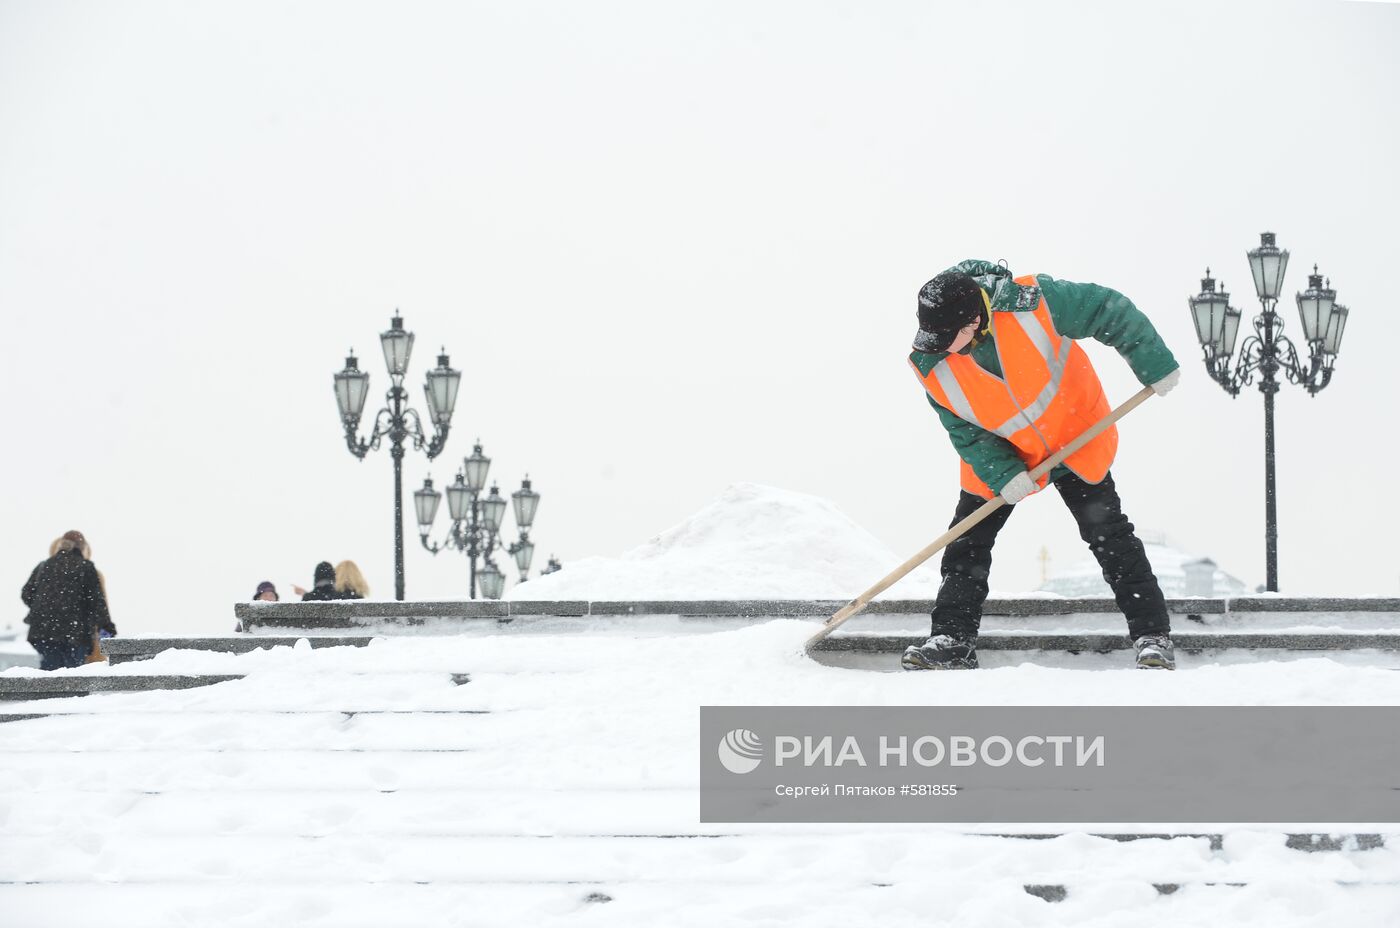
point(245, 809)
point(424, 795)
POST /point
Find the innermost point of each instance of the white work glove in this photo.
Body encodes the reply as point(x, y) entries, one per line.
point(1019, 488)
point(1164, 386)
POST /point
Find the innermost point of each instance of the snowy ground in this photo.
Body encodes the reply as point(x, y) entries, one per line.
point(261, 802)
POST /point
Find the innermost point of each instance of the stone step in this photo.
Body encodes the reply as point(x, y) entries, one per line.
point(203, 733)
point(1188, 641)
point(605, 859)
point(468, 813)
point(57, 684)
point(1295, 841)
point(399, 902)
point(353, 777)
point(1059, 892)
point(446, 616)
point(122, 649)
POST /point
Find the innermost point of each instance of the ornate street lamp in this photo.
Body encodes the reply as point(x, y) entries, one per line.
point(459, 501)
point(397, 421)
point(1217, 324)
point(526, 501)
point(425, 502)
point(1269, 351)
point(1332, 341)
point(492, 509)
point(474, 468)
point(441, 390)
point(477, 521)
point(493, 582)
point(523, 551)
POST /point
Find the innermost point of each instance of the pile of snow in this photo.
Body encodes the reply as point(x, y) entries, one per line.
point(754, 542)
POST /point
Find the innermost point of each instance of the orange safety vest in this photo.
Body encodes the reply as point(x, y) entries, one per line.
point(1050, 395)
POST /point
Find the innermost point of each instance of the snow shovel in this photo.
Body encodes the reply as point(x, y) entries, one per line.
point(942, 541)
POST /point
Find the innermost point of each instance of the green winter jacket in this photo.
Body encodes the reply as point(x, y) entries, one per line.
point(1078, 311)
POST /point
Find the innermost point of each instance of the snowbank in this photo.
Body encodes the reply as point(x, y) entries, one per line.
point(754, 541)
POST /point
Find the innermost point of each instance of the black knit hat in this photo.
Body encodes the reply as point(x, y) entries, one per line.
point(946, 305)
point(325, 574)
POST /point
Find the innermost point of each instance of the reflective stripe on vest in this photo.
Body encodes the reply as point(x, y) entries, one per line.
point(1055, 359)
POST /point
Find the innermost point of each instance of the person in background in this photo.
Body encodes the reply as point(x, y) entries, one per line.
point(265, 593)
point(67, 606)
point(349, 582)
point(323, 587)
point(106, 629)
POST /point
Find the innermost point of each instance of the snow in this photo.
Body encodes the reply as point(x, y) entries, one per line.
point(360, 786)
point(753, 542)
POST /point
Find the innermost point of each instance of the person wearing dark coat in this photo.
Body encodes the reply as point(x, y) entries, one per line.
point(324, 588)
point(66, 605)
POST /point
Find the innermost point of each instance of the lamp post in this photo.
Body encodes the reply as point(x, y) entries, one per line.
point(397, 421)
point(1269, 351)
point(476, 522)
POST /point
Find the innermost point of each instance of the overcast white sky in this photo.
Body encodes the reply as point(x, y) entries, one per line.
point(672, 246)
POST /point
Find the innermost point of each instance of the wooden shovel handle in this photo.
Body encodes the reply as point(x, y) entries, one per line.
point(986, 509)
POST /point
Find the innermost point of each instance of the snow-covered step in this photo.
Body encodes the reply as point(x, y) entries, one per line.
point(334, 775)
point(1059, 892)
point(988, 900)
point(445, 617)
point(58, 684)
point(123, 649)
point(478, 767)
point(678, 617)
point(1184, 641)
point(374, 808)
point(97, 679)
point(1186, 661)
point(250, 731)
point(471, 813)
point(76, 857)
point(1096, 632)
point(1298, 841)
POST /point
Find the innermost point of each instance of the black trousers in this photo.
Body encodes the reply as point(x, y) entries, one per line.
point(967, 562)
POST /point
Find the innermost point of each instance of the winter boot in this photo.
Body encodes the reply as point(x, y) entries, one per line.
point(1155, 652)
point(941, 652)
